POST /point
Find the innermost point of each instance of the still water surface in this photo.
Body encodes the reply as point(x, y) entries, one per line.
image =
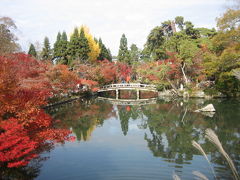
point(142, 141)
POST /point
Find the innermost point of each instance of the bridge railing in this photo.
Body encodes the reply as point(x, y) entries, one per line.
point(126, 85)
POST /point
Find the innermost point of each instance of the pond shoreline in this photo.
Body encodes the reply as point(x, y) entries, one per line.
point(161, 94)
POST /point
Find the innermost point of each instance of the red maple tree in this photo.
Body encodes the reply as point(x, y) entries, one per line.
point(24, 126)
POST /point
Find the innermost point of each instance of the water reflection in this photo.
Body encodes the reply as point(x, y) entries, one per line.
point(172, 126)
point(29, 172)
point(168, 128)
point(171, 134)
point(82, 116)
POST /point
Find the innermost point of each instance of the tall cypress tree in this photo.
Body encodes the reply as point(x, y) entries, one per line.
point(134, 52)
point(123, 53)
point(84, 48)
point(104, 53)
point(73, 46)
point(32, 51)
point(57, 46)
point(64, 48)
point(46, 51)
point(103, 50)
point(109, 56)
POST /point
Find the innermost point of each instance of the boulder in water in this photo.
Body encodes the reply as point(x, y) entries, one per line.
point(208, 108)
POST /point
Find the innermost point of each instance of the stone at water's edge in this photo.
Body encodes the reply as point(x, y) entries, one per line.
point(199, 94)
point(208, 108)
point(194, 94)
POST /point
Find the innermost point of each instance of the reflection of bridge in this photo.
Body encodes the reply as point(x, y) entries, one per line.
point(129, 101)
point(128, 86)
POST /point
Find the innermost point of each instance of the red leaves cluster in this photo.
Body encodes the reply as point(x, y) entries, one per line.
point(124, 71)
point(173, 72)
point(24, 126)
point(104, 72)
point(90, 84)
point(61, 79)
point(108, 71)
point(16, 148)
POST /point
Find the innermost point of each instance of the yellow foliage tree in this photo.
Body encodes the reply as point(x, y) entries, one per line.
point(93, 45)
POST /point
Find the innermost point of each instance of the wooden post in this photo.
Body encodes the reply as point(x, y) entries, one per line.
point(138, 94)
point(117, 93)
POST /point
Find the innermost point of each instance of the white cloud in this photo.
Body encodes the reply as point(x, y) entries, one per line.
point(107, 19)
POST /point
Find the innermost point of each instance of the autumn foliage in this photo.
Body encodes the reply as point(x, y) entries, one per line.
point(61, 79)
point(104, 72)
point(16, 146)
point(24, 126)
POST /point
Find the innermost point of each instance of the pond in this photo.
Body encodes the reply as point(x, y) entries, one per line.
point(151, 141)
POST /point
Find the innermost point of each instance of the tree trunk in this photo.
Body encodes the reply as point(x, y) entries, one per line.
point(174, 87)
point(184, 75)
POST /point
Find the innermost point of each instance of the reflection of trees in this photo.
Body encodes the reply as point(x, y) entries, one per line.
point(29, 172)
point(170, 138)
point(170, 134)
point(124, 117)
point(83, 116)
point(23, 173)
point(127, 112)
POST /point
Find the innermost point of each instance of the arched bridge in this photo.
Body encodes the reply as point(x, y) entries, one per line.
point(128, 86)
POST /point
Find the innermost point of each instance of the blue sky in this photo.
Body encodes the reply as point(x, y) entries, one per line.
point(107, 19)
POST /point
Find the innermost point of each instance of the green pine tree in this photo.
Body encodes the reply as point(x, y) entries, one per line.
point(134, 53)
point(83, 48)
point(123, 53)
point(104, 53)
point(32, 51)
point(95, 39)
point(64, 48)
point(73, 46)
point(46, 51)
point(57, 46)
point(109, 56)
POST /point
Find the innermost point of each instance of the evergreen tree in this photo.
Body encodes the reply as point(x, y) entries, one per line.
point(83, 48)
point(179, 20)
point(57, 46)
point(93, 45)
point(32, 51)
point(134, 53)
point(46, 51)
point(109, 56)
point(123, 53)
point(64, 36)
point(73, 46)
point(191, 31)
point(64, 48)
point(104, 53)
point(95, 39)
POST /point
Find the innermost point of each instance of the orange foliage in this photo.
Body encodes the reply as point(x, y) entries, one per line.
point(61, 79)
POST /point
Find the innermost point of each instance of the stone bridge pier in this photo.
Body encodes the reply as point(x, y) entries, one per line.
point(118, 93)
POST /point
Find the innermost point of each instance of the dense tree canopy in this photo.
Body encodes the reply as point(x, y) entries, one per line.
point(24, 126)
